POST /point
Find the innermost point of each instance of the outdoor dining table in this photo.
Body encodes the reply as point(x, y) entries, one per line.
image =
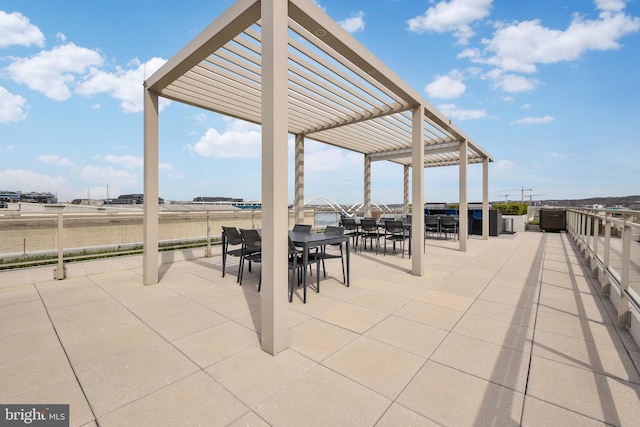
point(307, 241)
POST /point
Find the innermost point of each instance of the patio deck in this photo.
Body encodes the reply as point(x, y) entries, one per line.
point(512, 332)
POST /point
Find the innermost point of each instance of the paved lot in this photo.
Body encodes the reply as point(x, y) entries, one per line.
point(512, 332)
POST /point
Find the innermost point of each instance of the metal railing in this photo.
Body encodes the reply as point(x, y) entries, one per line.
point(56, 237)
point(609, 241)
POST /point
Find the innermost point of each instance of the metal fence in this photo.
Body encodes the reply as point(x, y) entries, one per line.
point(609, 240)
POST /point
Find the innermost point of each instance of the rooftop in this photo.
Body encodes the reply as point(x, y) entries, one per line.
point(511, 332)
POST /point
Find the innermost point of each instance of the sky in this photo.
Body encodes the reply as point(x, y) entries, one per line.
point(549, 88)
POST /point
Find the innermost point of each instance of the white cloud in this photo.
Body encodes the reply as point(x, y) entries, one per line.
point(11, 107)
point(471, 53)
point(353, 24)
point(239, 140)
point(136, 162)
point(25, 180)
point(447, 86)
point(455, 16)
point(453, 112)
point(52, 72)
point(108, 175)
point(505, 165)
point(512, 83)
point(55, 160)
point(613, 5)
point(520, 46)
point(533, 120)
point(322, 158)
point(15, 30)
point(123, 84)
point(126, 161)
point(8, 148)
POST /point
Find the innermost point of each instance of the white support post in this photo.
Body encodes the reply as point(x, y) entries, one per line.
point(299, 179)
point(275, 211)
point(623, 307)
point(596, 242)
point(605, 282)
point(367, 186)
point(417, 187)
point(405, 204)
point(207, 252)
point(60, 273)
point(150, 262)
point(588, 242)
point(464, 205)
point(485, 198)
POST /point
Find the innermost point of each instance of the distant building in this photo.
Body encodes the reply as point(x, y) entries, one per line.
point(207, 199)
point(32, 197)
point(129, 199)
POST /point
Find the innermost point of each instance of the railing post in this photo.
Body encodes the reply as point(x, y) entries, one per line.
point(623, 307)
point(605, 283)
point(588, 241)
point(596, 237)
point(59, 272)
point(207, 252)
point(579, 228)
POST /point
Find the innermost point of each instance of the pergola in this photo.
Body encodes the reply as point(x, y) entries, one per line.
point(284, 64)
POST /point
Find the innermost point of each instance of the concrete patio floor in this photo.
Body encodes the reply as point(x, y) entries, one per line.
point(512, 332)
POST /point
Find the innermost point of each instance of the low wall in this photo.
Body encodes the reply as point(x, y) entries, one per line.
point(33, 234)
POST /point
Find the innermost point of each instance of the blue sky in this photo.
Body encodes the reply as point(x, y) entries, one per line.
point(549, 88)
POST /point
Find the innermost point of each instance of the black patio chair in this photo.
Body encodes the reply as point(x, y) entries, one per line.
point(431, 226)
point(395, 231)
point(369, 230)
point(251, 251)
point(231, 237)
point(302, 228)
point(296, 260)
point(352, 229)
point(336, 251)
point(448, 225)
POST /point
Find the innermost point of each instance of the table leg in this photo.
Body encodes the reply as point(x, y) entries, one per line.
point(305, 262)
point(224, 252)
point(348, 263)
point(293, 276)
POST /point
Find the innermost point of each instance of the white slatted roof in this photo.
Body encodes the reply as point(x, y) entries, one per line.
point(338, 92)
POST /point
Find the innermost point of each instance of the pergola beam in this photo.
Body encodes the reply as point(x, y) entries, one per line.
point(439, 147)
point(365, 115)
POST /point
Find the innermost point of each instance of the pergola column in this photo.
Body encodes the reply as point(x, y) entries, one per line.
point(464, 205)
point(299, 179)
point(417, 196)
point(367, 186)
point(275, 337)
point(150, 221)
point(485, 198)
point(405, 205)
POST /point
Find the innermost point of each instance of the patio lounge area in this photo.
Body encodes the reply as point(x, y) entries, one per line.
point(511, 332)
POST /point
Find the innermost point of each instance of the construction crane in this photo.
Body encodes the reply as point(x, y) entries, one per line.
point(506, 197)
point(522, 190)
